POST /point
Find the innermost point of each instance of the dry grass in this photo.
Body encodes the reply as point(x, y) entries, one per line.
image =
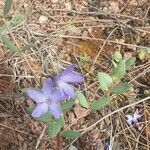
point(94, 31)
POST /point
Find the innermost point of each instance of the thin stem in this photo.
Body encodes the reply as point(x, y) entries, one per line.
point(85, 130)
point(40, 137)
point(58, 142)
point(23, 55)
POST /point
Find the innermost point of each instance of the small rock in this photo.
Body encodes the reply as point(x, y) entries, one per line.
point(85, 33)
point(68, 6)
point(54, 1)
point(43, 19)
point(114, 7)
point(105, 10)
point(72, 148)
point(19, 120)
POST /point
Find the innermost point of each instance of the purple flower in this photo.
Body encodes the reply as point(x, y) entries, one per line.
point(107, 147)
point(66, 80)
point(133, 118)
point(47, 100)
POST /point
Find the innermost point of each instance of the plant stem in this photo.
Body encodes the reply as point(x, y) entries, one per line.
point(23, 55)
point(58, 142)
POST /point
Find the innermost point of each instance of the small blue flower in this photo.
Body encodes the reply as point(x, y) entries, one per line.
point(107, 147)
point(133, 118)
point(66, 80)
point(47, 100)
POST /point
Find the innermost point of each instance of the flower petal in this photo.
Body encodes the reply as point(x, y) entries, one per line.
point(72, 77)
point(48, 87)
point(55, 110)
point(69, 69)
point(65, 72)
point(37, 95)
point(58, 96)
point(107, 147)
point(136, 115)
point(66, 90)
point(129, 119)
point(40, 110)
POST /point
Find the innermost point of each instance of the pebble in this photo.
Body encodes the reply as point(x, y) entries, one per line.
point(68, 6)
point(43, 19)
point(54, 1)
point(105, 10)
point(72, 148)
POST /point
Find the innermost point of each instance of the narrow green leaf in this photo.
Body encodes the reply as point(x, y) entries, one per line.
point(28, 46)
point(130, 62)
point(82, 99)
point(71, 134)
point(17, 19)
point(117, 56)
point(54, 127)
point(66, 106)
point(122, 88)
point(104, 80)
point(9, 44)
point(119, 72)
point(102, 102)
point(7, 7)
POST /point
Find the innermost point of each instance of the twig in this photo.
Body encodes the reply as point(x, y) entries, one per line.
point(58, 142)
point(145, 71)
point(5, 126)
point(97, 13)
point(103, 40)
point(96, 58)
point(85, 130)
point(19, 76)
point(40, 137)
point(127, 2)
point(23, 55)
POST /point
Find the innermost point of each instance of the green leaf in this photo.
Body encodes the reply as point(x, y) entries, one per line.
point(147, 50)
point(27, 46)
point(104, 80)
point(44, 118)
point(71, 134)
point(122, 88)
point(114, 64)
point(7, 7)
point(9, 44)
point(82, 99)
point(130, 62)
point(102, 102)
point(144, 54)
point(16, 20)
point(117, 56)
point(119, 72)
point(30, 110)
point(25, 90)
point(55, 126)
point(66, 106)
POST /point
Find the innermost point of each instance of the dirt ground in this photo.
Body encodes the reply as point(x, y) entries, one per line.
point(87, 33)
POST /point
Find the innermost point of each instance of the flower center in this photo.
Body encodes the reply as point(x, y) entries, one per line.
point(49, 102)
